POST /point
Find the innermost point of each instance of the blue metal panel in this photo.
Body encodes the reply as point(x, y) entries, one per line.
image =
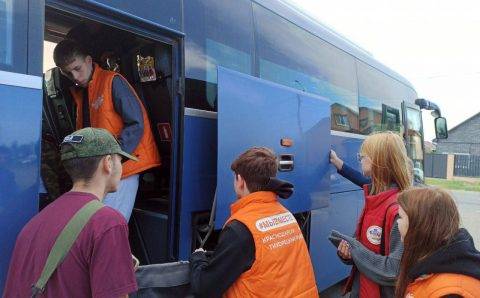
point(167, 12)
point(346, 148)
point(341, 215)
point(198, 174)
point(20, 125)
point(255, 112)
point(137, 17)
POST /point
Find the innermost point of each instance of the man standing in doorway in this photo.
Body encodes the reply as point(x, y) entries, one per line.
point(105, 99)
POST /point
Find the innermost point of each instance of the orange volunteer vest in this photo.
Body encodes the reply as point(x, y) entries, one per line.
point(282, 266)
point(103, 115)
point(442, 284)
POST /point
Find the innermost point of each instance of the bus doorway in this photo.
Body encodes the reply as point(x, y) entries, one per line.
point(150, 65)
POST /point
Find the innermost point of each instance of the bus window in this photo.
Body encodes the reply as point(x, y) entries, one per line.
point(380, 98)
point(13, 35)
point(214, 39)
point(291, 56)
point(390, 118)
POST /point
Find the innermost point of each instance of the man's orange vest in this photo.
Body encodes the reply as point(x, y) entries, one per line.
point(103, 115)
point(282, 266)
point(443, 284)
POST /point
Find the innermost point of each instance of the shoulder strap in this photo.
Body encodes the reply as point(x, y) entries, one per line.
point(64, 242)
point(382, 241)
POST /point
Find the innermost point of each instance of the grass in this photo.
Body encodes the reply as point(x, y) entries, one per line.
point(452, 184)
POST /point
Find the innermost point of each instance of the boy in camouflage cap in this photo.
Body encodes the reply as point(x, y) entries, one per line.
point(90, 142)
point(100, 260)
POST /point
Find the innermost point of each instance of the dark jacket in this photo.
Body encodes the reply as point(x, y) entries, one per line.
point(459, 256)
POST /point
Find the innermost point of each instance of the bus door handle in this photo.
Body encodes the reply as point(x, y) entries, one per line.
point(285, 163)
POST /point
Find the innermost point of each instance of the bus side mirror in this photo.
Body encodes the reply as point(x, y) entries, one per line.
point(441, 131)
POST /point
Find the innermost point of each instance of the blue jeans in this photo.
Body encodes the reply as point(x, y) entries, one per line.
point(124, 198)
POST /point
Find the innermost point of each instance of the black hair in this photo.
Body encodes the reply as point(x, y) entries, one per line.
point(66, 51)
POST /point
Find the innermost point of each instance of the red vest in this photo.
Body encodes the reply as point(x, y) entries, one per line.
point(282, 266)
point(103, 115)
point(378, 213)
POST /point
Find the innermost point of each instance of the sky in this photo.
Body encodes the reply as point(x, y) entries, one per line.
point(433, 44)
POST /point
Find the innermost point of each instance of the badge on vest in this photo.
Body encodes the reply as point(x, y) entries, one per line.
point(97, 103)
point(276, 221)
point(374, 235)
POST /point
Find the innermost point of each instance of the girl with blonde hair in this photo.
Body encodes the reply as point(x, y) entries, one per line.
point(440, 258)
point(376, 249)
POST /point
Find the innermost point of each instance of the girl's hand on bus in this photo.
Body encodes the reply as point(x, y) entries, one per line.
point(335, 160)
point(344, 250)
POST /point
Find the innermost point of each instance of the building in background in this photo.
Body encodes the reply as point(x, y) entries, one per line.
point(463, 138)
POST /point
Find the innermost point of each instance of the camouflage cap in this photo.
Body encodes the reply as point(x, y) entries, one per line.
point(88, 142)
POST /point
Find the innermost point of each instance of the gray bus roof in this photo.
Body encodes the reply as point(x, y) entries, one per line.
point(303, 20)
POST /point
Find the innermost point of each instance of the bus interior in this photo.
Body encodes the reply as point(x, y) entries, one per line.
point(147, 64)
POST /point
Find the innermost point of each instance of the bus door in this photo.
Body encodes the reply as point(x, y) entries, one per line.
point(149, 56)
point(412, 118)
point(295, 124)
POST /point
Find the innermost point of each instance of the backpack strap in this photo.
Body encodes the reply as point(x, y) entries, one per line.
point(64, 242)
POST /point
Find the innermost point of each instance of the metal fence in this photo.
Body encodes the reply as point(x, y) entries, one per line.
point(467, 166)
point(436, 165)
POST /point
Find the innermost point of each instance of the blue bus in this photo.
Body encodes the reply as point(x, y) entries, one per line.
point(216, 78)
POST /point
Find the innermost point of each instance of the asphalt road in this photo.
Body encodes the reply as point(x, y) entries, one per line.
point(468, 203)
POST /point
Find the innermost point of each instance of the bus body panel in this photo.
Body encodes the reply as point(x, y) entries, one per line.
point(170, 16)
point(328, 267)
point(346, 146)
point(167, 13)
point(19, 159)
point(346, 203)
point(199, 172)
point(256, 112)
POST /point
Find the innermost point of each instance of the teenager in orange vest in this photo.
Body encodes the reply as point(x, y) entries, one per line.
point(104, 99)
point(440, 258)
point(376, 249)
point(261, 251)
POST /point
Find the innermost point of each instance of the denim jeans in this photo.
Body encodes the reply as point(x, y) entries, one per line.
point(124, 198)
